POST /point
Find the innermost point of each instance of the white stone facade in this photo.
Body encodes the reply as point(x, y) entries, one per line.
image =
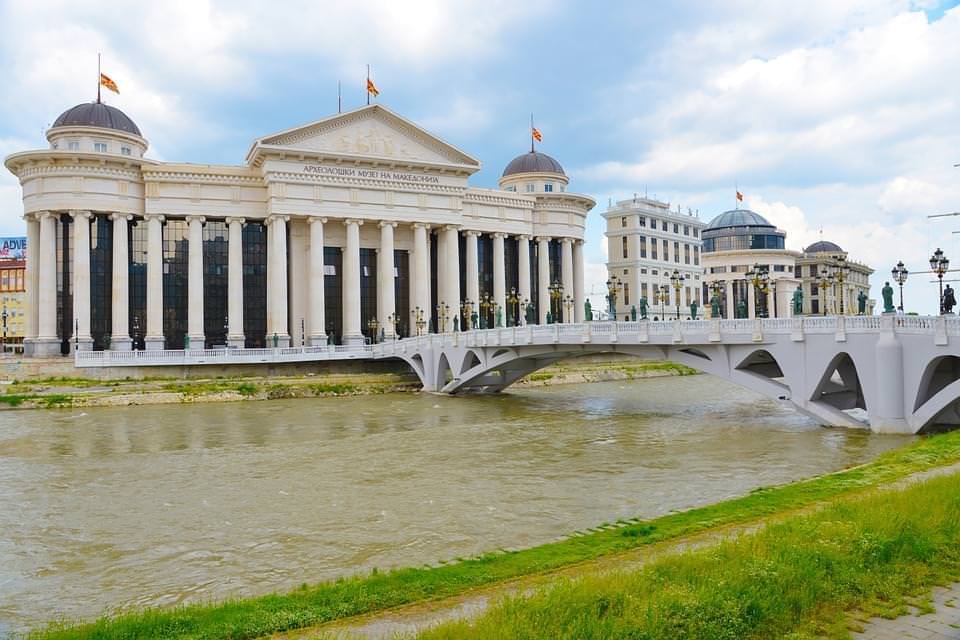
point(358, 181)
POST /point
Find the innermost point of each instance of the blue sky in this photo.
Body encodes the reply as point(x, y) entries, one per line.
point(839, 115)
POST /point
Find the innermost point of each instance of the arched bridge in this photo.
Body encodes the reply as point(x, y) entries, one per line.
point(895, 374)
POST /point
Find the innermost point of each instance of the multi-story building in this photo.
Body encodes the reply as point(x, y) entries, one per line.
point(831, 282)
point(646, 243)
point(355, 226)
point(13, 294)
point(739, 243)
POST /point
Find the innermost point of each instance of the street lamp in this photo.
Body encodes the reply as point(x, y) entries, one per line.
point(392, 320)
point(939, 264)
point(826, 281)
point(486, 305)
point(614, 286)
point(443, 312)
point(840, 273)
point(676, 279)
point(513, 304)
point(136, 331)
point(466, 310)
point(759, 277)
point(418, 320)
point(556, 298)
point(373, 326)
point(568, 307)
point(900, 274)
point(662, 295)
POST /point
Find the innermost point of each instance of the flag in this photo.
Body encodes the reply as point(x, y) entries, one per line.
point(739, 197)
point(105, 81)
point(372, 88)
point(536, 134)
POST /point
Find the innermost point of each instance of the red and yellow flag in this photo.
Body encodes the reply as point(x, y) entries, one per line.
point(105, 81)
point(372, 88)
point(536, 134)
point(739, 197)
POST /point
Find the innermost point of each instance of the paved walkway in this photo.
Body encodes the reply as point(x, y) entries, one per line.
point(943, 624)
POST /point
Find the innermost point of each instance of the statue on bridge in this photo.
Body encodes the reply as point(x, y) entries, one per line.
point(693, 310)
point(498, 316)
point(633, 313)
point(949, 300)
point(798, 301)
point(456, 323)
point(887, 293)
point(862, 303)
point(530, 314)
point(549, 317)
point(587, 311)
point(715, 306)
point(474, 319)
point(742, 309)
point(643, 308)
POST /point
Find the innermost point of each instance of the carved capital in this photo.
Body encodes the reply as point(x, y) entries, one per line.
point(421, 225)
point(192, 217)
point(350, 221)
point(77, 214)
point(232, 220)
point(159, 217)
point(315, 220)
point(470, 233)
point(120, 216)
point(501, 235)
point(387, 223)
point(273, 218)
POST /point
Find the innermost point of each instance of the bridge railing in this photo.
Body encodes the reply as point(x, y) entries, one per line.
point(219, 356)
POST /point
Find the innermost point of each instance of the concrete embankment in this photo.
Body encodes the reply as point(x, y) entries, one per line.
point(55, 383)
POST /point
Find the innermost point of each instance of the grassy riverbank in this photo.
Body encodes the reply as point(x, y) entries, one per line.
point(62, 392)
point(314, 605)
point(796, 579)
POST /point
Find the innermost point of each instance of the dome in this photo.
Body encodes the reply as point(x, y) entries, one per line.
point(738, 218)
point(822, 247)
point(533, 162)
point(97, 114)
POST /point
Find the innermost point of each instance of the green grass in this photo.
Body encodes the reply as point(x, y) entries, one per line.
point(14, 399)
point(254, 617)
point(794, 579)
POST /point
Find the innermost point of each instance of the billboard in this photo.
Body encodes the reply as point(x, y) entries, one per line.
point(14, 248)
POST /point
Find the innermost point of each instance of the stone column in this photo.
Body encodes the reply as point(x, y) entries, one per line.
point(751, 301)
point(277, 281)
point(543, 276)
point(32, 283)
point(81, 279)
point(473, 269)
point(386, 283)
point(731, 303)
point(153, 338)
point(421, 273)
point(47, 343)
point(195, 329)
point(578, 291)
point(236, 338)
point(566, 270)
point(523, 277)
point(120, 326)
point(453, 273)
point(318, 311)
point(499, 277)
point(352, 334)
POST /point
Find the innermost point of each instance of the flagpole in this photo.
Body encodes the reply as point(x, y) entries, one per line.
point(531, 133)
point(339, 99)
point(367, 88)
point(98, 77)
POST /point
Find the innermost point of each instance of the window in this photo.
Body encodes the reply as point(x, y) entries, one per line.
point(626, 293)
point(721, 269)
point(73, 145)
point(653, 223)
point(641, 221)
point(779, 267)
point(653, 272)
point(676, 228)
point(686, 254)
point(100, 147)
point(666, 250)
point(643, 271)
point(663, 225)
point(512, 187)
point(653, 249)
point(624, 244)
point(813, 271)
point(528, 187)
point(815, 307)
point(125, 151)
point(696, 255)
point(676, 252)
point(643, 246)
point(643, 289)
point(696, 232)
point(814, 290)
point(686, 229)
point(623, 222)
point(548, 187)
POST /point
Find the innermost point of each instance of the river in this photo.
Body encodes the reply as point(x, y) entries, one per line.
point(112, 508)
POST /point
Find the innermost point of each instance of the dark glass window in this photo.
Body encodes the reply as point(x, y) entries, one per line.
point(255, 285)
point(485, 267)
point(434, 294)
point(535, 279)
point(64, 228)
point(333, 293)
point(401, 291)
point(175, 280)
point(215, 282)
point(137, 277)
point(101, 281)
point(676, 252)
point(511, 264)
point(368, 291)
point(556, 262)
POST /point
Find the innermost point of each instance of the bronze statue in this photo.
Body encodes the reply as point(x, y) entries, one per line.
point(549, 317)
point(862, 303)
point(715, 306)
point(798, 301)
point(531, 314)
point(456, 323)
point(587, 311)
point(949, 300)
point(643, 308)
point(474, 319)
point(693, 309)
point(499, 317)
point(633, 313)
point(887, 293)
point(742, 309)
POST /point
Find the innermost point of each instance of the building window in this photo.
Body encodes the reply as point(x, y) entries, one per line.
point(686, 229)
point(643, 246)
point(73, 145)
point(641, 221)
point(548, 187)
point(815, 307)
point(176, 242)
point(125, 151)
point(368, 291)
point(624, 245)
point(333, 294)
point(666, 250)
point(255, 285)
point(623, 222)
point(653, 248)
point(137, 280)
point(696, 232)
point(663, 225)
point(813, 270)
point(676, 228)
point(529, 188)
point(676, 252)
point(101, 281)
point(814, 290)
point(779, 267)
point(696, 256)
point(100, 147)
point(643, 271)
point(686, 254)
point(215, 282)
point(626, 293)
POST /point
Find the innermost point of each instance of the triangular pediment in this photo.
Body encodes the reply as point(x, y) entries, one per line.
point(371, 131)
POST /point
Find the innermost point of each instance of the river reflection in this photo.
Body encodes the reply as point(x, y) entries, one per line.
point(106, 509)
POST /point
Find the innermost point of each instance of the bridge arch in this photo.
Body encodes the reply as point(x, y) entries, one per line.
point(839, 386)
point(937, 403)
point(763, 364)
point(470, 360)
point(444, 371)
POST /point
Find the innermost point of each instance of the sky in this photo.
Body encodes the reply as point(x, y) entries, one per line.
point(835, 118)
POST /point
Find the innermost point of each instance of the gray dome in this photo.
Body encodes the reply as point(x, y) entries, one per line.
point(823, 246)
point(738, 218)
point(97, 114)
point(533, 162)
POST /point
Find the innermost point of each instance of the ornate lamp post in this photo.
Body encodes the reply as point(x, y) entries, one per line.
point(614, 286)
point(676, 279)
point(513, 307)
point(136, 332)
point(568, 308)
point(662, 294)
point(826, 283)
point(840, 274)
point(759, 277)
point(418, 320)
point(556, 298)
point(900, 274)
point(373, 326)
point(486, 305)
point(392, 320)
point(466, 311)
point(443, 312)
point(939, 264)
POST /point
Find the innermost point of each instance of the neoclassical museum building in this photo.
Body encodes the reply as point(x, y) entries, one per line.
point(355, 226)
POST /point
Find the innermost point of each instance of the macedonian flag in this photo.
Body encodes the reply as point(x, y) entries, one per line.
point(108, 83)
point(536, 134)
point(372, 88)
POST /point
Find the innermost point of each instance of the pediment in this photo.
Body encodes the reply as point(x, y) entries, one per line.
point(369, 131)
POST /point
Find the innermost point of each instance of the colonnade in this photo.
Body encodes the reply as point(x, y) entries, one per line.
point(42, 278)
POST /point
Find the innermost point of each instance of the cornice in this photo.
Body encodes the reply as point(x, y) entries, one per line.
point(304, 178)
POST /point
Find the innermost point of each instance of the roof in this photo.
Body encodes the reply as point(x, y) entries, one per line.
point(97, 114)
point(738, 218)
point(823, 246)
point(533, 162)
